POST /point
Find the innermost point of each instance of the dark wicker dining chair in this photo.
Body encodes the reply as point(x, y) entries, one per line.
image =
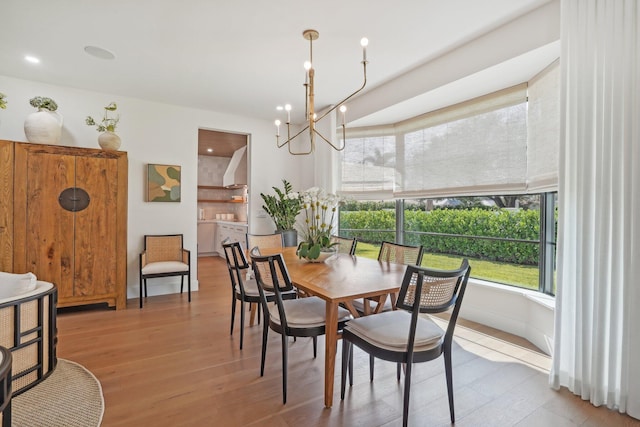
point(345, 245)
point(302, 317)
point(405, 336)
point(242, 289)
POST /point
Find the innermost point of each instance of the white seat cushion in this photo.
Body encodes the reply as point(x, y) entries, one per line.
point(390, 330)
point(164, 267)
point(306, 312)
point(250, 288)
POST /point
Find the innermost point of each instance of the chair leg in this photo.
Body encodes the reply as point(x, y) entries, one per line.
point(241, 323)
point(141, 286)
point(449, 374)
point(315, 347)
point(181, 283)
point(407, 388)
point(233, 312)
point(189, 286)
point(398, 369)
point(259, 309)
point(371, 364)
point(145, 288)
point(351, 366)
point(265, 332)
point(284, 368)
point(346, 355)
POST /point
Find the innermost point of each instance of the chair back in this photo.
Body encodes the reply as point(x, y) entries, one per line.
point(425, 290)
point(236, 263)
point(160, 248)
point(234, 255)
point(264, 240)
point(272, 276)
point(345, 245)
point(400, 254)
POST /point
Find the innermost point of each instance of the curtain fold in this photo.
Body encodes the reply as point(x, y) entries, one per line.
point(596, 343)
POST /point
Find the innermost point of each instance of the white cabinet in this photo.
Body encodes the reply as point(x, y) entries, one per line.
point(206, 237)
point(233, 232)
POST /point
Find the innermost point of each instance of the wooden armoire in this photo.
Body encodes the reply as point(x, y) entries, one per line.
point(63, 217)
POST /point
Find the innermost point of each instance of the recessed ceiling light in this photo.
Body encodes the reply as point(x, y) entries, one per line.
point(99, 52)
point(32, 59)
point(279, 108)
point(209, 150)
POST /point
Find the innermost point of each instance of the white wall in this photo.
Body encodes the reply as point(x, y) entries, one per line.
point(158, 133)
point(523, 312)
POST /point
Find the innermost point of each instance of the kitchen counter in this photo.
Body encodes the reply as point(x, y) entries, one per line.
point(222, 221)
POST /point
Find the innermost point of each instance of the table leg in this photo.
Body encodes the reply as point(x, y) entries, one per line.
point(330, 351)
point(254, 309)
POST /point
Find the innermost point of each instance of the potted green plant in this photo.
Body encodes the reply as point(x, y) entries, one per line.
point(3, 100)
point(45, 125)
point(283, 208)
point(108, 139)
point(320, 209)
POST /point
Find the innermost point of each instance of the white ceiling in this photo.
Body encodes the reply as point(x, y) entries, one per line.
point(245, 57)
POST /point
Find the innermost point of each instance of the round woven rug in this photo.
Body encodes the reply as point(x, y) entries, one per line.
point(71, 397)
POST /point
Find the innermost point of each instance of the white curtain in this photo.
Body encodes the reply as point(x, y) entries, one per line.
point(597, 332)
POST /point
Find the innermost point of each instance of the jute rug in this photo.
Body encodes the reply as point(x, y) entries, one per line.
point(71, 397)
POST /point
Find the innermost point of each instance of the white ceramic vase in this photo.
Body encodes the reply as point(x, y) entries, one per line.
point(43, 127)
point(109, 141)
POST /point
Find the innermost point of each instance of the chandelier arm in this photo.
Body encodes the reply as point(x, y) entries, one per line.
point(300, 153)
point(291, 138)
point(337, 148)
point(364, 83)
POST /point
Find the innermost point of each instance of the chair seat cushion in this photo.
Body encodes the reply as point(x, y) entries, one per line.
point(306, 312)
point(164, 267)
point(250, 288)
point(390, 330)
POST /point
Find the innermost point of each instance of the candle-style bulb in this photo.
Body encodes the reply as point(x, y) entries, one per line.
point(287, 107)
point(343, 110)
point(364, 42)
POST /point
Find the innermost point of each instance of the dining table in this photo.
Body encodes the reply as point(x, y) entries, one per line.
point(340, 279)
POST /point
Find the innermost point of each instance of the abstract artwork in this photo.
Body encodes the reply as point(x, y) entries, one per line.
point(163, 183)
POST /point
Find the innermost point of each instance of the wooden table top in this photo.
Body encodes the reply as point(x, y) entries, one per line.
point(342, 277)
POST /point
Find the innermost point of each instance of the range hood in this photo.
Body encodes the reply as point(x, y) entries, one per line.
point(236, 173)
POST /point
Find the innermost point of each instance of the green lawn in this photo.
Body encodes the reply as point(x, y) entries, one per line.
point(512, 274)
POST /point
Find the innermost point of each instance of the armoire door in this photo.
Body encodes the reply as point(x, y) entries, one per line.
point(95, 228)
point(43, 231)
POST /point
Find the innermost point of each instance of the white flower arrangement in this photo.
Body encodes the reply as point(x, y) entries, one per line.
point(320, 209)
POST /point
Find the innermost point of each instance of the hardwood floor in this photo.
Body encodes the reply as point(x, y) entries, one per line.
point(175, 364)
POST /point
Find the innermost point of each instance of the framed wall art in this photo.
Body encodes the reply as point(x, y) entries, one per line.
point(163, 183)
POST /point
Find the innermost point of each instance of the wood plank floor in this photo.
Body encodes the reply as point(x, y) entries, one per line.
point(175, 364)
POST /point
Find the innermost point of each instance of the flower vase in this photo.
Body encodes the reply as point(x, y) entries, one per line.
point(43, 127)
point(324, 255)
point(109, 141)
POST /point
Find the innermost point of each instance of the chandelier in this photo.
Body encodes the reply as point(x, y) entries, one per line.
point(310, 113)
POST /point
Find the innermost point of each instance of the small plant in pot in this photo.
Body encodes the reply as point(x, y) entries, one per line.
point(108, 139)
point(45, 125)
point(3, 100)
point(283, 208)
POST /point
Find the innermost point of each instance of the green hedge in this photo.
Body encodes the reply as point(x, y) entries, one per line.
point(521, 224)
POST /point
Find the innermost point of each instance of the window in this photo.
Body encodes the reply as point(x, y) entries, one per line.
point(475, 179)
point(507, 239)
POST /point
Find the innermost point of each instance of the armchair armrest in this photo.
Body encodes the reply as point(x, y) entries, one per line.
point(143, 259)
point(186, 256)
